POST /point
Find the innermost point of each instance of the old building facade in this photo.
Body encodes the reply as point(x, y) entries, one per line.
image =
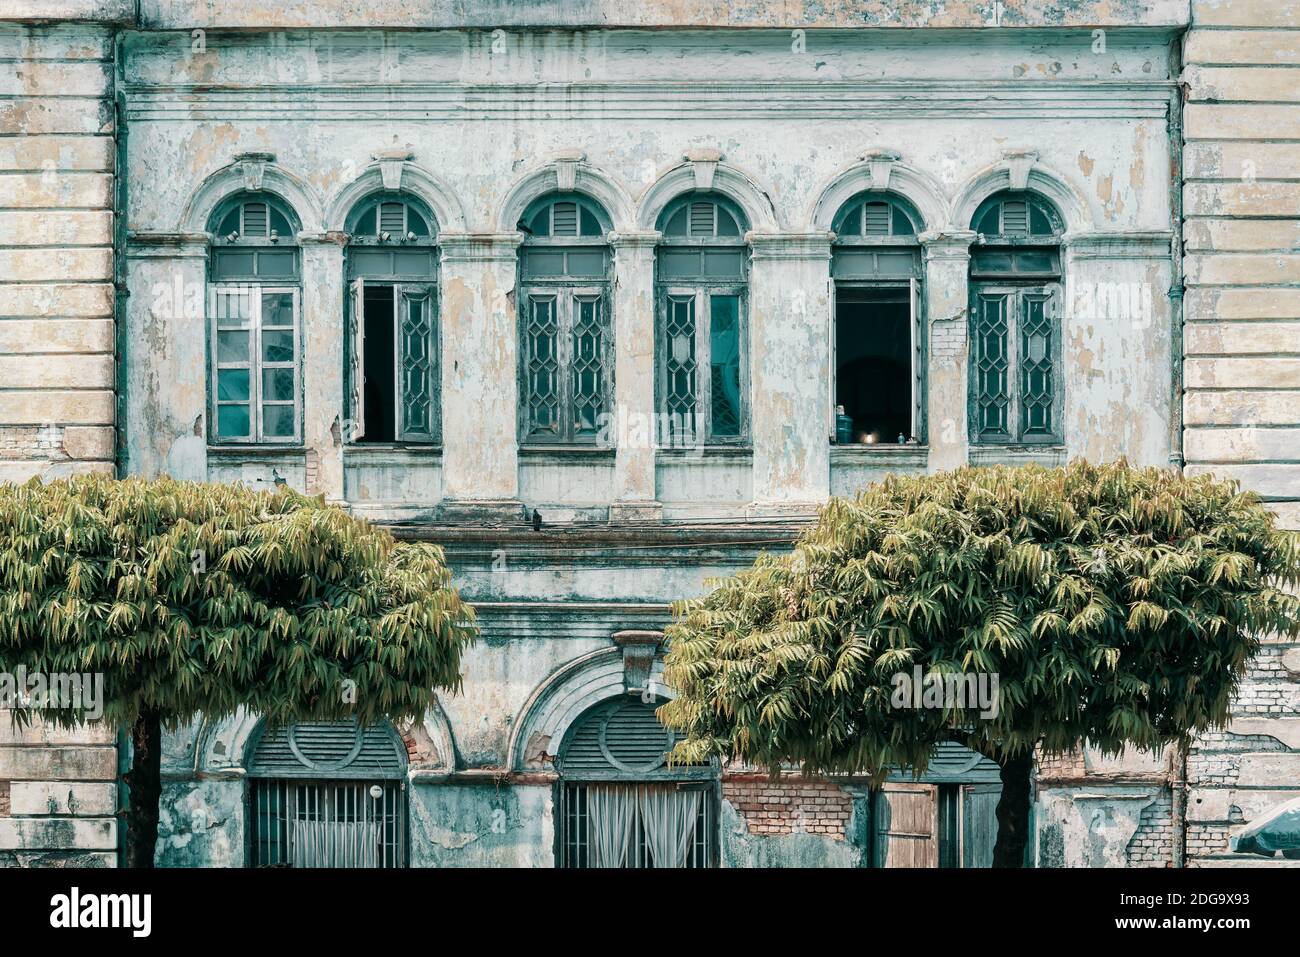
point(606, 299)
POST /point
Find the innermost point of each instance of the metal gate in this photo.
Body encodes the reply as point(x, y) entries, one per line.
point(327, 823)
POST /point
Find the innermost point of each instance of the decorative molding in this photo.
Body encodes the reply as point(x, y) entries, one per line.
point(272, 178)
point(252, 167)
point(572, 169)
point(398, 166)
point(566, 170)
point(880, 163)
point(704, 164)
point(392, 163)
point(640, 648)
point(947, 243)
point(1070, 201)
point(731, 182)
point(1019, 165)
point(922, 191)
point(562, 698)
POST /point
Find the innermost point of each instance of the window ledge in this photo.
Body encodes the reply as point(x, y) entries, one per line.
point(566, 454)
point(354, 447)
point(233, 449)
point(705, 452)
point(1017, 454)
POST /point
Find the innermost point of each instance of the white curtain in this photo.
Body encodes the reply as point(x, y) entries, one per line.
point(336, 843)
point(668, 818)
point(611, 817)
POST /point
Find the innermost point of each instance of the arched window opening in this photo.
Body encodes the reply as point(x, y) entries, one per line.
point(327, 794)
point(876, 344)
point(392, 318)
point(255, 321)
point(621, 805)
point(1016, 378)
point(702, 338)
point(567, 348)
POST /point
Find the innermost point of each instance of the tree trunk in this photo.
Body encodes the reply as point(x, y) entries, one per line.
point(1013, 811)
point(144, 783)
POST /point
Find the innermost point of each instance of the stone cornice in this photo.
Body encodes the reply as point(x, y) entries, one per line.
point(643, 239)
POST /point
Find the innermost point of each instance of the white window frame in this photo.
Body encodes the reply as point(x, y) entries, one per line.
point(255, 365)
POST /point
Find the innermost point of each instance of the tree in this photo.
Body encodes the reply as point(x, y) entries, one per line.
point(1116, 605)
point(188, 598)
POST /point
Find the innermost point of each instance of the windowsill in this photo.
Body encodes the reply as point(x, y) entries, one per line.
point(567, 454)
point(705, 451)
point(1016, 454)
point(883, 449)
point(353, 447)
point(254, 449)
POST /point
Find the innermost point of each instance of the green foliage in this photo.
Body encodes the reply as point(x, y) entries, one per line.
point(193, 598)
point(1115, 604)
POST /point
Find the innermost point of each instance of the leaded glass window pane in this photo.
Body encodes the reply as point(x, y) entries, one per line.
point(543, 366)
point(991, 365)
point(418, 371)
point(587, 366)
point(1037, 384)
point(1015, 347)
point(681, 363)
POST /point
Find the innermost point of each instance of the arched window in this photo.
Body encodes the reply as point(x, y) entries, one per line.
point(876, 346)
point(327, 794)
point(255, 321)
point(567, 354)
point(702, 342)
point(1016, 380)
point(621, 805)
point(392, 319)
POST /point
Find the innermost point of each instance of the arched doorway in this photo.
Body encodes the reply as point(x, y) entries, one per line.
point(619, 804)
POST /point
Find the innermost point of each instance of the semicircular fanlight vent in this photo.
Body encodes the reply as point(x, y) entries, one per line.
point(620, 737)
point(333, 748)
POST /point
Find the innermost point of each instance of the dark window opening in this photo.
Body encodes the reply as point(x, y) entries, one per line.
point(873, 366)
point(380, 394)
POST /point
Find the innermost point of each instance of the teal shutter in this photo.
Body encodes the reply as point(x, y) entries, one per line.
point(328, 749)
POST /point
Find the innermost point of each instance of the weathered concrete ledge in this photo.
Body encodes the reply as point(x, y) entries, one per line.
point(567, 14)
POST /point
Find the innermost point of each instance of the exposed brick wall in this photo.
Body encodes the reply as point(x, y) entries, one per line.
point(1153, 843)
point(790, 806)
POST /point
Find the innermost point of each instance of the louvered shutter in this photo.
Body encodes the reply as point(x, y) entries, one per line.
point(618, 739)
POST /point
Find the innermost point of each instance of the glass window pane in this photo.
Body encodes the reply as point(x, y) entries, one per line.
point(232, 384)
point(277, 309)
point(277, 345)
point(586, 262)
point(276, 263)
point(724, 361)
point(679, 263)
point(232, 347)
point(277, 385)
point(724, 264)
point(232, 421)
point(278, 421)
